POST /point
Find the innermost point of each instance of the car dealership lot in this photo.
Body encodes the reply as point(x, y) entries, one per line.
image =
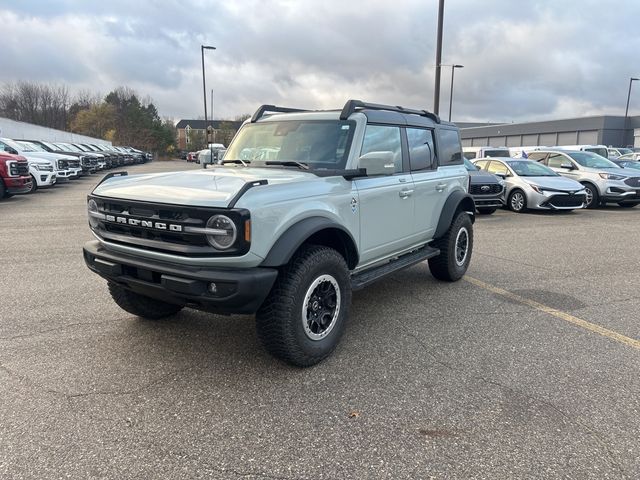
point(528, 368)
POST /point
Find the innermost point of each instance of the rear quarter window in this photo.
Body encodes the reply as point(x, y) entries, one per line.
point(449, 147)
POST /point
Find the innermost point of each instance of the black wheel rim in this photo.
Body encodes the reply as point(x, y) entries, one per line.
point(462, 246)
point(321, 307)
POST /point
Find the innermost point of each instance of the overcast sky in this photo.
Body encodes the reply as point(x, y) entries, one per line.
point(524, 60)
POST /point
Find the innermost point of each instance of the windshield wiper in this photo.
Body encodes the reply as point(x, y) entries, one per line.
point(289, 163)
point(237, 161)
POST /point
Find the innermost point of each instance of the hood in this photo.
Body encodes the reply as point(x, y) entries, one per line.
point(614, 171)
point(214, 187)
point(482, 176)
point(556, 183)
point(50, 155)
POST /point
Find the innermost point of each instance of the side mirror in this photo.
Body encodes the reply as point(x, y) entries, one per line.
point(377, 163)
point(567, 166)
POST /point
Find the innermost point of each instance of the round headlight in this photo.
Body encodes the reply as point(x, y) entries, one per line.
point(92, 206)
point(226, 235)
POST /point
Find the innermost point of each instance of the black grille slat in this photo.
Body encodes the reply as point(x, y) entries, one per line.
point(23, 169)
point(633, 182)
point(476, 189)
point(566, 200)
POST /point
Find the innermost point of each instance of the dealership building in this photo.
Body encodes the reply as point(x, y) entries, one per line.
point(616, 131)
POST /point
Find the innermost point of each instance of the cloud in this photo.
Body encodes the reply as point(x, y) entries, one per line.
point(523, 60)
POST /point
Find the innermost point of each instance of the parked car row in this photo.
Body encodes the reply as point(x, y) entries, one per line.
point(553, 179)
point(210, 155)
point(26, 165)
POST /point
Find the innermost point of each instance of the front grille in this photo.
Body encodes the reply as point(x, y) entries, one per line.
point(23, 168)
point(485, 189)
point(633, 182)
point(165, 240)
point(73, 163)
point(566, 200)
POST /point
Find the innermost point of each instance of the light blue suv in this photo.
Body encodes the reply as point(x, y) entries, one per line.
point(306, 207)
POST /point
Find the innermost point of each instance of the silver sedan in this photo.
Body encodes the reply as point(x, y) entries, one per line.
point(531, 185)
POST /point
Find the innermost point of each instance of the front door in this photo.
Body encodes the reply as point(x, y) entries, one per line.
point(386, 202)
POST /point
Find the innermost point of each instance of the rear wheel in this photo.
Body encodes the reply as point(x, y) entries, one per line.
point(141, 305)
point(455, 250)
point(593, 198)
point(486, 210)
point(304, 316)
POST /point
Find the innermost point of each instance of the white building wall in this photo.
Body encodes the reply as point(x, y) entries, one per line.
point(13, 129)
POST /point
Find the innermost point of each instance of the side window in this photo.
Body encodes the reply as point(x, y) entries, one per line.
point(498, 168)
point(481, 164)
point(421, 147)
point(536, 156)
point(380, 138)
point(556, 160)
point(449, 147)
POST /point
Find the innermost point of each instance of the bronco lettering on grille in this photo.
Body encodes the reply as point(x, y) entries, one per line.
point(134, 222)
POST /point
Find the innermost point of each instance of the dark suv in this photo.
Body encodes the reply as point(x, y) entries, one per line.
point(486, 189)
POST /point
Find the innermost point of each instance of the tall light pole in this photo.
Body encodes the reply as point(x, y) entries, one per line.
point(453, 69)
point(436, 89)
point(626, 111)
point(204, 89)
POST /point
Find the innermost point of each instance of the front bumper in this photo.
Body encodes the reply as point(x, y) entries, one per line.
point(489, 201)
point(622, 195)
point(45, 179)
point(239, 291)
point(17, 185)
point(555, 200)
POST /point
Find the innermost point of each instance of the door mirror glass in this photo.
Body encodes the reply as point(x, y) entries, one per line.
point(378, 163)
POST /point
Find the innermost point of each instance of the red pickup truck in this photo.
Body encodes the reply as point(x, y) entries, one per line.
point(14, 175)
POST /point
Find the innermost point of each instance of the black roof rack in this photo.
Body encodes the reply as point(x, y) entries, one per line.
point(272, 108)
point(352, 105)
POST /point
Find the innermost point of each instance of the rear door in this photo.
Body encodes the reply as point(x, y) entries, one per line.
point(386, 201)
point(429, 182)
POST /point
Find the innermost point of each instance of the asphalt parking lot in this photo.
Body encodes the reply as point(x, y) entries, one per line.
point(528, 368)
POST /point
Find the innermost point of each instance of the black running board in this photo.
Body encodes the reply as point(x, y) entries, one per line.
point(367, 277)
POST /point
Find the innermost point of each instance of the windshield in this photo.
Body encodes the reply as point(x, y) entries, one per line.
point(624, 151)
point(592, 160)
point(321, 144)
point(71, 148)
point(52, 146)
point(469, 166)
point(603, 152)
point(30, 147)
point(631, 164)
point(528, 168)
point(497, 153)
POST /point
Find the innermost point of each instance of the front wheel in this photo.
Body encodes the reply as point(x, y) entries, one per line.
point(593, 198)
point(517, 201)
point(455, 250)
point(304, 316)
point(34, 184)
point(140, 305)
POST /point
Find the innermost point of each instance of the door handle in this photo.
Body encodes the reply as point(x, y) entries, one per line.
point(405, 193)
point(441, 186)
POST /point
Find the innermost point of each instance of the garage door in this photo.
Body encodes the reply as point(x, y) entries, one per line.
point(589, 137)
point(568, 138)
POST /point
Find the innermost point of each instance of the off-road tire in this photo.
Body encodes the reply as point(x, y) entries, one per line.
point(281, 318)
point(140, 305)
point(595, 196)
point(487, 210)
point(445, 266)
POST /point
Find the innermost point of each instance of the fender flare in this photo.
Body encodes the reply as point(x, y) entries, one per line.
point(291, 240)
point(458, 200)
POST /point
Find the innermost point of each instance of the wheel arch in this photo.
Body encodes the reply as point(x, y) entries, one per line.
point(458, 201)
point(313, 231)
